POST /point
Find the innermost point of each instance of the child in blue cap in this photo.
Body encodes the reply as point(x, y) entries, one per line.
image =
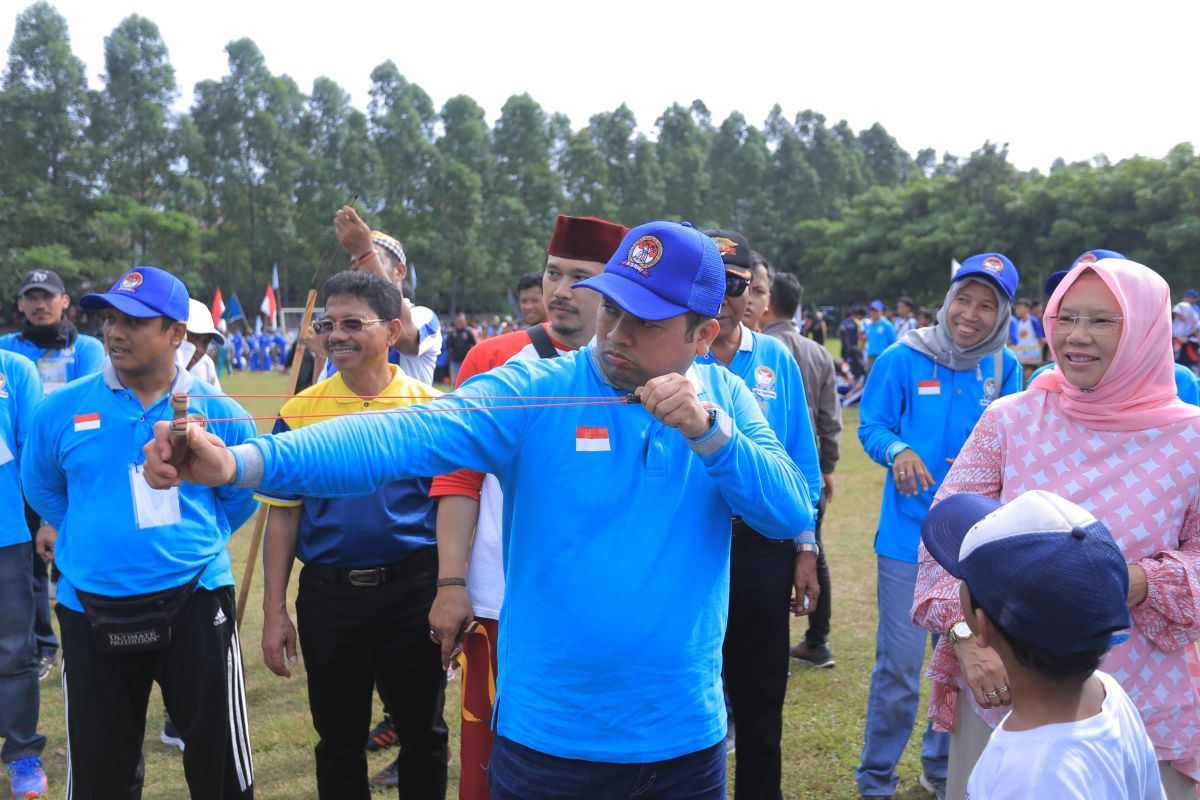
point(1045, 585)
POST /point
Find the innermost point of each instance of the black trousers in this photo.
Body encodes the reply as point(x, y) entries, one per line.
point(203, 688)
point(43, 631)
point(353, 636)
point(756, 656)
point(818, 620)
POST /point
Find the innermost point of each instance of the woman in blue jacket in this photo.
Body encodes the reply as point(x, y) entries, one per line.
point(922, 399)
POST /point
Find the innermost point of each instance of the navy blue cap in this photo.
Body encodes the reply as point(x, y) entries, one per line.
point(1191, 293)
point(143, 292)
point(1054, 280)
point(662, 270)
point(45, 279)
point(1085, 258)
point(995, 267)
point(1044, 569)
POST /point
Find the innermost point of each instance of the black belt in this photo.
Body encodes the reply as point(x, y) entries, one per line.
point(423, 559)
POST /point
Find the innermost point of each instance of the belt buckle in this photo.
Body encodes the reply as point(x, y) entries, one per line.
point(364, 577)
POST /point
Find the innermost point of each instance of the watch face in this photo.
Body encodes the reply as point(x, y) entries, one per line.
point(960, 630)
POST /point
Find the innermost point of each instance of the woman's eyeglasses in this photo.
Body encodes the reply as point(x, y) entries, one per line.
point(1100, 325)
point(349, 325)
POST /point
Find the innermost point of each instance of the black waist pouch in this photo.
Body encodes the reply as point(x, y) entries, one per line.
point(136, 623)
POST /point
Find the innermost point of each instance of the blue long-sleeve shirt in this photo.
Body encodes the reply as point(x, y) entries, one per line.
point(911, 400)
point(616, 542)
point(77, 472)
point(20, 392)
point(58, 367)
point(774, 378)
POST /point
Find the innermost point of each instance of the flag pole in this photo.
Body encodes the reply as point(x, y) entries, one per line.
point(260, 519)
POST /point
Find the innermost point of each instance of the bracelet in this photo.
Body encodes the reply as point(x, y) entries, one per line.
point(451, 582)
point(365, 256)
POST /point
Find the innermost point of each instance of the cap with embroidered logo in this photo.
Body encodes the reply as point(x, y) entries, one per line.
point(143, 292)
point(44, 279)
point(662, 270)
point(994, 267)
point(735, 252)
point(1085, 258)
point(1045, 570)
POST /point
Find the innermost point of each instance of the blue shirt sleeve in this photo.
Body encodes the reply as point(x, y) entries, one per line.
point(1186, 386)
point(1013, 330)
point(757, 479)
point(401, 444)
point(42, 475)
point(882, 403)
point(89, 355)
point(237, 504)
point(28, 392)
point(1038, 330)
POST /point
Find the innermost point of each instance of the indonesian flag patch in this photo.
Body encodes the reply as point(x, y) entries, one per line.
point(87, 422)
point(929, 387)
point(591, 440)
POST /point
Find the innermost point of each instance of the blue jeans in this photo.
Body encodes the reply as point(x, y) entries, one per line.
point(519, 773)
point(19, 693)
point(896, 687)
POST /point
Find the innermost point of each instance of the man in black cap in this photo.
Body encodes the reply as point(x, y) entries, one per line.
point(62, 354)
point(763, 571)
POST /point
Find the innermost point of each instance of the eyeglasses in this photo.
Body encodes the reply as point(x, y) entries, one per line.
point(321, 327)
point(1098, 325)
point(735, 286)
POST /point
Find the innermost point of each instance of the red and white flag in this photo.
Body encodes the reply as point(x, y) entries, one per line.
point(591, 440)
point(87, 422)
point(218, 307)
point(268, 306)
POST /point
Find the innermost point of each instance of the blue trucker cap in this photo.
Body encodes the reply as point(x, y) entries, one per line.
point(1044, 569)
point(143, 292)
point(1085, 258)
point(662, 270)
point(995, 267)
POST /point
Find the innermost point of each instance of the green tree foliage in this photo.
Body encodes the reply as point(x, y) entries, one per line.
point(250, 176)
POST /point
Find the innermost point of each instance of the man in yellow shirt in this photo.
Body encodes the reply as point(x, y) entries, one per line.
point(370, 567)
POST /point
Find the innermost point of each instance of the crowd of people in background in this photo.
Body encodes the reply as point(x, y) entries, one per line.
point(445, 564)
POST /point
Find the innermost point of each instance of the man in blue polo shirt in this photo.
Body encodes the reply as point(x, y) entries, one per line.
point(62, 354)
point(370, 567)
point(762, 571)
point(879, 331)
point(119, 540)
point(20, 392)
point(616, 527)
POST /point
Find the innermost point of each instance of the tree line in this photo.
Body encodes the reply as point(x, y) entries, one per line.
point(93, 181)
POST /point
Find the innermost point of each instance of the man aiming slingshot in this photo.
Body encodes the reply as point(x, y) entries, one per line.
point(616, 529)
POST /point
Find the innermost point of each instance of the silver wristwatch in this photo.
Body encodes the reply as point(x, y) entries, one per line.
point(808, 547)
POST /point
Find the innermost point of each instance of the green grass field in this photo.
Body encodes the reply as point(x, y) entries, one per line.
point(822, 720)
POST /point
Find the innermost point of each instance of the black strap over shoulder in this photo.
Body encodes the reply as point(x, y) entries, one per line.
point(541, 341)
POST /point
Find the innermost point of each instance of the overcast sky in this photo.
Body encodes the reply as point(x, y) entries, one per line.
point(1050, 78)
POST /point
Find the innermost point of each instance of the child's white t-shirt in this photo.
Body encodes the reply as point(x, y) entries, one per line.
point(1105, 756)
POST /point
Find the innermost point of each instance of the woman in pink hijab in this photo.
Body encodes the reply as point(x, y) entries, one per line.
point(1106, 431)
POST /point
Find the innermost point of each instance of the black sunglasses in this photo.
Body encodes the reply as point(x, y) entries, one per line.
point(735, 286)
